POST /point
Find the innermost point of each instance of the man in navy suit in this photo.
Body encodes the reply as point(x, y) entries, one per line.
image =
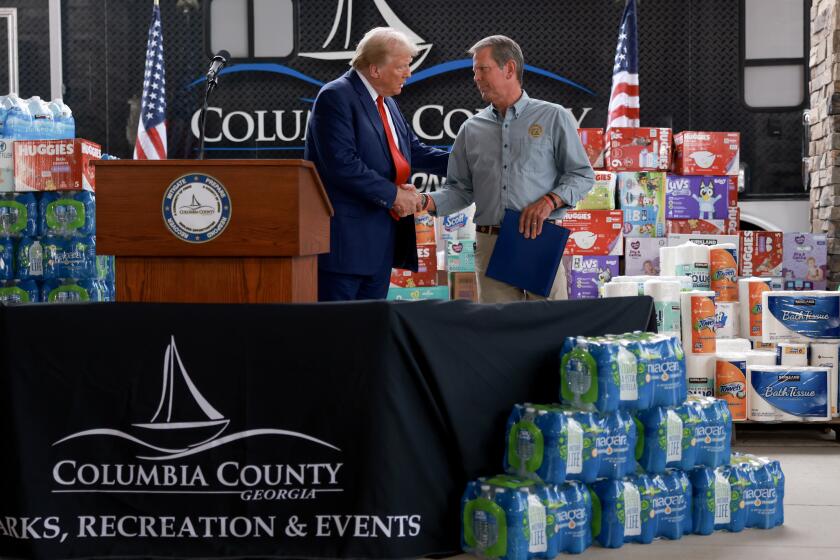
point(365, 166)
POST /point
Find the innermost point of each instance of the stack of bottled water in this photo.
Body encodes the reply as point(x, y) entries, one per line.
point(47, 239)
point(626, 458)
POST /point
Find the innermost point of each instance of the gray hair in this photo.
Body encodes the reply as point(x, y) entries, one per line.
point(378, 44)
point(503, 49)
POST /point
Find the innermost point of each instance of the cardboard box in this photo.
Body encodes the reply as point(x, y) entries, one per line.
point(761, 253)
point(804, 262)
point(602, 194)
point(733, 221)
point(586, 275)
point(593, 142)
point(733, 190)
point(463, 286)
point(642, 198)
point(426, 275)
point(641, 255)
point(706, 227)
point(416, 294)
point(424, 228)
point(55, 165)
point(594, 232)
point(460, 256)
point(707, 153)
point(7, 165)
point(693, 197)
point(638, 149)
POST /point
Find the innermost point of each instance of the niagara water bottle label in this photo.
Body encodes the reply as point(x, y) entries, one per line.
point(36, 259)
point(485, 529)
point(632, 510)
point(627, 370)
point(536, 523)
point(723, 495)
point(674, 438)
point(574, 459)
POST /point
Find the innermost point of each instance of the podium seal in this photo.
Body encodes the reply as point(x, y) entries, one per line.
point(196, 208)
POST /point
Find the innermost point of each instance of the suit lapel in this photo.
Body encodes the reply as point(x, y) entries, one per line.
point(370, 109)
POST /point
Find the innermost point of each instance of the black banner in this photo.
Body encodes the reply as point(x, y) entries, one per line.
point(213, 431)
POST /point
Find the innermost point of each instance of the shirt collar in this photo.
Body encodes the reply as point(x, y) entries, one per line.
point(517, 107)
point(369, 87)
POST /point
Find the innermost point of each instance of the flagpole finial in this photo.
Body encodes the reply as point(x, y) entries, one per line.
point(157, 3)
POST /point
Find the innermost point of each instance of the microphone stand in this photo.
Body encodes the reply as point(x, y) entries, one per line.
point(211, 83)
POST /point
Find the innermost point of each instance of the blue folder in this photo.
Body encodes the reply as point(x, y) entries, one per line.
point(530, 264)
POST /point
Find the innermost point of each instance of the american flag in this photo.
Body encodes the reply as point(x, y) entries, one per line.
point(151, 130)
point(624, 96)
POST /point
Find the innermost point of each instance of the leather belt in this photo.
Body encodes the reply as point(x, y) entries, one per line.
point(492, 230)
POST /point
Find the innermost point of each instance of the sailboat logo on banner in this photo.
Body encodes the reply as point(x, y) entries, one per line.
point(171, 437)
point(390, 18)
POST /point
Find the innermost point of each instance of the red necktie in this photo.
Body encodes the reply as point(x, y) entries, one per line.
point(400, 164)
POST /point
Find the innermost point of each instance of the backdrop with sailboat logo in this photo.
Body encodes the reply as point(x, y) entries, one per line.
point(213, 431)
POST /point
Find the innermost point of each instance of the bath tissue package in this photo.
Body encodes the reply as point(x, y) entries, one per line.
point(800, 316)
point(781, 393)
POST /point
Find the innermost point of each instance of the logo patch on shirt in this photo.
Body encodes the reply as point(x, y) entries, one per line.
point(535, 131)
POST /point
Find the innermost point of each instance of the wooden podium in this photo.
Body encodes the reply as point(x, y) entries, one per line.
point(278, 222)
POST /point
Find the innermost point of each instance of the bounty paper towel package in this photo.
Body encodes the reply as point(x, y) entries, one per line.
point(602, 194)
point(761, 253)
point(642, 199)
point(791, 316)
point(586, 275)
point(641, 255)
point(696, 197)
point(804, 262)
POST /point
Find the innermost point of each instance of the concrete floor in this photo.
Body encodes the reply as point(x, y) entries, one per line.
point(811, 463)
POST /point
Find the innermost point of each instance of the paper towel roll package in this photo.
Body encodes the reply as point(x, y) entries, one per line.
point(723, 271)
point(684, 281)
point(807, 316)
point(698, 321)
point(731, 382)
point(691, 259)
point(639, 282)
point(791, 354)
point(749, 298)
point(782, 393)
point(700, 370)
point(733, 345)
point(667, 261)
point(827, 354)
point(666, 302)
point(620, 289)
point(726, 319)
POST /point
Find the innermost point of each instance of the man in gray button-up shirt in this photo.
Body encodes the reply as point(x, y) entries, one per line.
point(518, 153)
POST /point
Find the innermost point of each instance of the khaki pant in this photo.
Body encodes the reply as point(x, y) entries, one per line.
point(493, 291)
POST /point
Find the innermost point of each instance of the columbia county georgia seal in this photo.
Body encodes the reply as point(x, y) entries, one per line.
point(196, 208)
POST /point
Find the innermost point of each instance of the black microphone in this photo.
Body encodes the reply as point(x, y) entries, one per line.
point(217, 64)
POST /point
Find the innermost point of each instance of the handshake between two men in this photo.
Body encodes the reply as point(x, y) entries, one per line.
point(409, 201)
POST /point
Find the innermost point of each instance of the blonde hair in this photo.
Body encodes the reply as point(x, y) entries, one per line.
point(378, 44)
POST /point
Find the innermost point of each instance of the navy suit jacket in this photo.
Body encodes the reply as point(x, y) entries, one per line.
point(346, 141)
